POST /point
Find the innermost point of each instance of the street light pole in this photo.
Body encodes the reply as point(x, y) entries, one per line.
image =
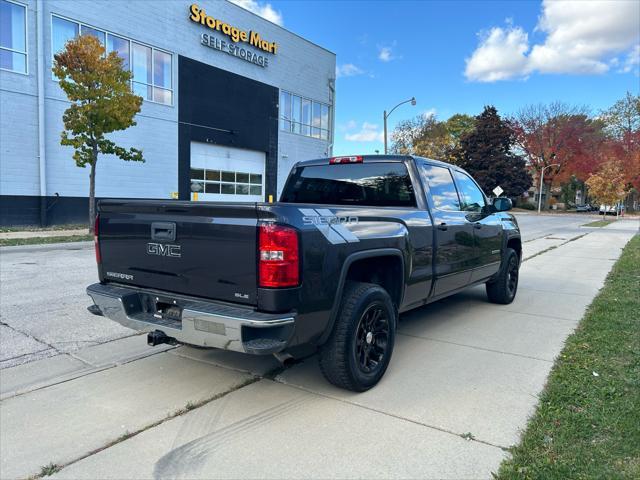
point(542, 184)
point(385, 115)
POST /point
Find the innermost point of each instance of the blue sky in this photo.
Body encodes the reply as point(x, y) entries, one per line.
point(461, 55)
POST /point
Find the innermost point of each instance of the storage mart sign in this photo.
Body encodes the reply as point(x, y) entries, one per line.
point(236, 35)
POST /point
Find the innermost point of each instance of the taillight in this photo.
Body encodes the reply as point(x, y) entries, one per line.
point(96, 234)
point(278, 260)
point(352, 159)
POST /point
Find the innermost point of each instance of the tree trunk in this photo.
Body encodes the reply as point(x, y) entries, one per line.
point(92, 191)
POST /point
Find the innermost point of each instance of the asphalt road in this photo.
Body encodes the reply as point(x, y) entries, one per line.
point(464, 378)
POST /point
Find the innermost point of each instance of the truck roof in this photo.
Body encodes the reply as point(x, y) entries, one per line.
point(372, 159)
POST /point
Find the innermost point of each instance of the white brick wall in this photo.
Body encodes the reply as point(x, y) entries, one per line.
point(299, 67)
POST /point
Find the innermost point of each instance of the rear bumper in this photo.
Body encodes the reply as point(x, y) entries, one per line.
point(202, 323)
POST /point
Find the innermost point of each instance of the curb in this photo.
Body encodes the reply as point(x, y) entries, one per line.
point(47, 246)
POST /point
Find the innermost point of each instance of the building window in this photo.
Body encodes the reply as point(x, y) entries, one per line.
point(303, 116)
point(225, 182)
point(13, 37)
point(151, 68)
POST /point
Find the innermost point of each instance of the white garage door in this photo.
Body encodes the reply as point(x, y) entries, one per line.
point(226, 174)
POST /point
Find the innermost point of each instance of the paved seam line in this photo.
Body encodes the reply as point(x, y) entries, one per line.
point(416, 422)
point(553, 247)
point(537, 315)
point(206, 362)
point(563, 293)
point(476, 348)
point(24, 355)
point(177, 413)
point(83, 373)
point(26, 334)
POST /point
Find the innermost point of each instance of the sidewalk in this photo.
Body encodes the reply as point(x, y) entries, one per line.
point(463, 380)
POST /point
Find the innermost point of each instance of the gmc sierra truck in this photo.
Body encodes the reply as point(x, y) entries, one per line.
point(353, 242)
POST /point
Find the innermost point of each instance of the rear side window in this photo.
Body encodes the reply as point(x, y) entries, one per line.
point(370, 184)
point(441, 187)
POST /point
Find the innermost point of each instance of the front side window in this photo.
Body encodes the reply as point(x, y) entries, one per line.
point(374, 184)
point(471, 196)
point(441, 187)
point(303, 116)
point(13, 37)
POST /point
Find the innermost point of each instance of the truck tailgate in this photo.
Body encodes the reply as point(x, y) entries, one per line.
point(200, 249)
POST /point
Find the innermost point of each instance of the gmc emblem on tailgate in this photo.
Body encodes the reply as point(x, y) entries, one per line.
point(164, 250)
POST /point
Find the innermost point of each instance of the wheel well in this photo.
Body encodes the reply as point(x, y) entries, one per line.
point(385, 271)
point(516, 244)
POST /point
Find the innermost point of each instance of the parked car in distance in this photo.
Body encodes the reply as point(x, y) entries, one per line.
point(584, 208)
point(612, 209)
point(353, 242)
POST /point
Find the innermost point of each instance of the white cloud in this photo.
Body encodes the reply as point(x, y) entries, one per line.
point(350, 125)
point(432, 112)
point(265, 10)
point(501, 55)
point(348, 70)
point(369, 132)
point(385, 54)
point(581, 38)
point(632, 62)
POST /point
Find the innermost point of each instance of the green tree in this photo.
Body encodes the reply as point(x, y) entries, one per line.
point(425, 136)
point(101, 102)
point(486, 154)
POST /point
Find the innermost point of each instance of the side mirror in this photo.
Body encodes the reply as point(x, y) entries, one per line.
point(502, 204)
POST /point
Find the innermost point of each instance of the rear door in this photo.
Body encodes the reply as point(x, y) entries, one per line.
point(487, 227)
point(456, 254)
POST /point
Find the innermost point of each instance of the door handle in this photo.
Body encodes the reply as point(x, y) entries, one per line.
point(163, 231)
point(442, 226)
point(477, 225)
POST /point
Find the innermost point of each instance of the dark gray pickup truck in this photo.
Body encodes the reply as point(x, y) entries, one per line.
point(353, 242)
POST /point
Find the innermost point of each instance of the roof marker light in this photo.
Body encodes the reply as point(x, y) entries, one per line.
point(352, 159)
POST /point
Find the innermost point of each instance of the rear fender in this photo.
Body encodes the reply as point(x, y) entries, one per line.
point(382, 252)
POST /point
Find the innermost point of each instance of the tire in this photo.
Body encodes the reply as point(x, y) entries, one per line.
point(359, 349)
point(504, 287)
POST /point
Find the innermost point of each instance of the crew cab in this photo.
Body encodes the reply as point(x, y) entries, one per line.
point(352, 243)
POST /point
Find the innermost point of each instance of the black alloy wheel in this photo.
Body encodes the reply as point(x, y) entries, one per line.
point(372, 338)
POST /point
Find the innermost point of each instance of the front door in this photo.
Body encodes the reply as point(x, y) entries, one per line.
point(455, 250)
point(487, 227)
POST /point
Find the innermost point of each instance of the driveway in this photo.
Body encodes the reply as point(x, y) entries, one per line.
point(463, 380)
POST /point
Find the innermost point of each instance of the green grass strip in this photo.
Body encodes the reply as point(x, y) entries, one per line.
point(9, 242)
point(587, 424)
point(598, 223)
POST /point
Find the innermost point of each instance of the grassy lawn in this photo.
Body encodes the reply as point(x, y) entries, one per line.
point(7, 242)
point(598, 223)
point(27, 228)
point(587, 424)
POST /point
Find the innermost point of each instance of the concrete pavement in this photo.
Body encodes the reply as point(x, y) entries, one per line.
point(463, 380)
point(43, 303)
